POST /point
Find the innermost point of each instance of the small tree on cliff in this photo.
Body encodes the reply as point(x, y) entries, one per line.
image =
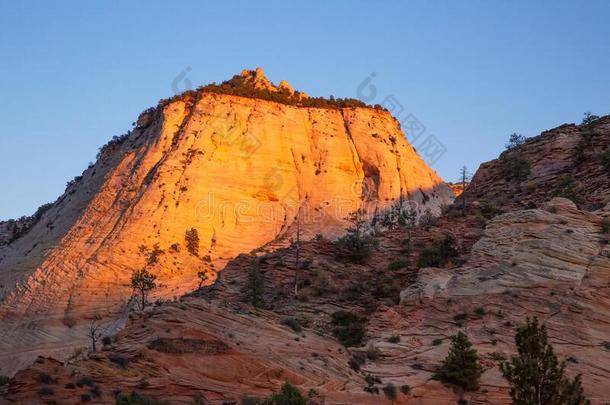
point(358, 244)
point(464, 176)
point(461, 366)
point(255, 287)
point(203, 276)
point(94, 334)
point(143, 281)
point(191, 237)
point(536, 376)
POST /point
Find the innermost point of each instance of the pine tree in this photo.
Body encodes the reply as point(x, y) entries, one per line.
point(191, 237)
point(255, 287)
point(536, 376)
point(143, 281)
point(461, 366)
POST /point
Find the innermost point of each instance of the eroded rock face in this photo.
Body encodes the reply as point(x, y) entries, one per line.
point(551, 262)
point(567, 161)
point(238, 170)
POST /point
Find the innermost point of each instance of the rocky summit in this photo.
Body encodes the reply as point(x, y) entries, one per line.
point(300, 240)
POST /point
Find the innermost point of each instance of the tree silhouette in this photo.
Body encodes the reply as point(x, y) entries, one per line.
point(191, 237)
point(535, 375)
point(143, 281)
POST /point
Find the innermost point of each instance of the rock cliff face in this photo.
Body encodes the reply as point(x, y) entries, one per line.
point(236, 169)
point(571, 161)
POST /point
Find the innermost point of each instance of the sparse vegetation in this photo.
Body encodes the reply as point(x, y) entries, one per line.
point(191, 238)
point(461, 366)
point(440, 253)
point(567, 189)
point(394, 339)
point(515, 140)
point(143, 281)
point(356, 361)
point(515, 167)
point(371, 382)
point(589, 118)
point(357, 244)
point(240, 86)
point(348, 328)
point(535, 375)
point(288, 395)
point(397, 264)
point(293, 324)
point(390, 392)
point(202, 276)
point(255, 287)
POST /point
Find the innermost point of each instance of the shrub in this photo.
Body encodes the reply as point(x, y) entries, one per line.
point(589, 118)
point(45, 391)
point(85, 398)
point(4, 380)
point(567, 189)
point(290, 395)
point(46, 378)
point(371, 382)
point(372, 352)
point(390, 392)
point(515, 167)
point(515, 140)
point(255, 287)
point(120, 360)
point(143, 281)
point(348, 328)
point(437, 342)
point(535, 376)
point(397, 264)
point(106, 341)
point(356, 361)
point(461, 366)
point(357, 243)
point(405, 389)
point(439, 254)
point(394, 339)
point(292, 324)
point(85, 381)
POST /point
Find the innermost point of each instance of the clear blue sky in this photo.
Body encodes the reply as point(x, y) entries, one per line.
point(75, 73)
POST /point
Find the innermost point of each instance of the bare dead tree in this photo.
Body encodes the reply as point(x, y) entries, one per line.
point(297, 255)
point(94, 334)
point(464, 177)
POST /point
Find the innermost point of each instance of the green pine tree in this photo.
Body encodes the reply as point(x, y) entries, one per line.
point(255, 287)
point(461, 366)
point(536, 376)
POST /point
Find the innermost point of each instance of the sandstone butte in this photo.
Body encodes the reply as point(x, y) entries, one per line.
point(236, 169)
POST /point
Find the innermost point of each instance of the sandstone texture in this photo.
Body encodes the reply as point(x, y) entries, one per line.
point(236, 169)
point(567, 161)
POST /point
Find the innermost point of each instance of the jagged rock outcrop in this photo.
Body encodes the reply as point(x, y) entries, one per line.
point(570, 161)
point(236, 169)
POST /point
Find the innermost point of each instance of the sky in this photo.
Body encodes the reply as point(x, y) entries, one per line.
point(74, 73)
